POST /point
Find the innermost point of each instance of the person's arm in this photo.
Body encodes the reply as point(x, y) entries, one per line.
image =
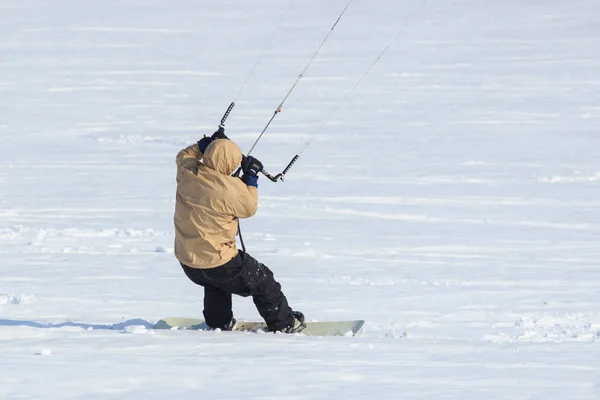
point(245, 204)
point(188, 157)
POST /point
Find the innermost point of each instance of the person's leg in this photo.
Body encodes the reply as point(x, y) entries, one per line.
point(217, 302)
point(245, 276)
point(266, 292)
point(217, 308)
point(270, 301)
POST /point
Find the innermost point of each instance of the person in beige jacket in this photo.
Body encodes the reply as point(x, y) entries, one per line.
point(209, 202)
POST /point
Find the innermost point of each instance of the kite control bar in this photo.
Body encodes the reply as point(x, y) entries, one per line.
point(281, 175)
point(222, 124)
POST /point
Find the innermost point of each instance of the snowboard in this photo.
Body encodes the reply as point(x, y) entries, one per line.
point(328, 328)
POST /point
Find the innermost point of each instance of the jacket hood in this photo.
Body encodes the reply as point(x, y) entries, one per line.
point(223, 156)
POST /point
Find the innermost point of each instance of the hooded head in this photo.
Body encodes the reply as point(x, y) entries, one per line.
point(223, 156)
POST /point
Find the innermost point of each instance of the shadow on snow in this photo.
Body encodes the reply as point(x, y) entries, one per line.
point(111, 327)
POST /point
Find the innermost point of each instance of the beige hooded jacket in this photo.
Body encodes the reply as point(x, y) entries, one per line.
point(209, 203)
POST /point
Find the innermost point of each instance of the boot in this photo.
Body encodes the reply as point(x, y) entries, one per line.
point(230, 325)
point(227, 327)
point(298, 325)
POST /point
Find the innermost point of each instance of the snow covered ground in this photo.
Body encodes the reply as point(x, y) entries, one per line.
point(453, 202)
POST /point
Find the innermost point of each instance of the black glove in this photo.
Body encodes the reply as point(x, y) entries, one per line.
point(251, 165)
point(219, 134)
point(203, 144)
point(205, 141)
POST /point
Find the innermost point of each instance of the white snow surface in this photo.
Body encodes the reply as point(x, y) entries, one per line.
point(452, 202)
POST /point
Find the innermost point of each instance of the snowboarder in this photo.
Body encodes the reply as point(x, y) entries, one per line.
point(208, 204)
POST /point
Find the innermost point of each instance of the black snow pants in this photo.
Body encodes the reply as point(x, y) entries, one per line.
point(243, 276)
